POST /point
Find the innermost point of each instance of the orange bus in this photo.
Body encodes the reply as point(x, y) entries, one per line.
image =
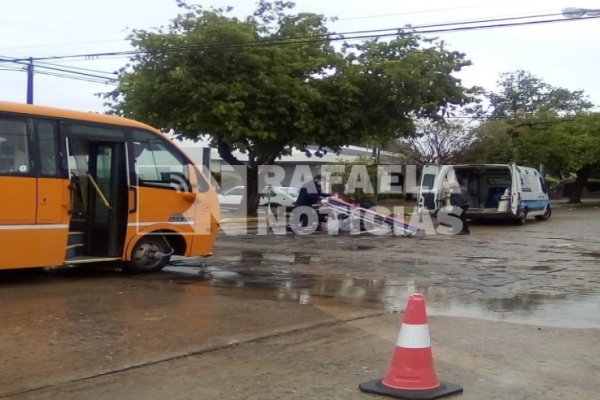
point(80, 188)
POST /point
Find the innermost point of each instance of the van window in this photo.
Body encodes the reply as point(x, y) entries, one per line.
point(428, 181)
point(530, 183)
point(543, 185)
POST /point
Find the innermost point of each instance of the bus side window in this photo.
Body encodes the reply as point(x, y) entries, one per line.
point(14, 147)
point(157, 166)
point(48, 145)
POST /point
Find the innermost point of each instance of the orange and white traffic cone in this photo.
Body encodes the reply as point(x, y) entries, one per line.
point(412, 373)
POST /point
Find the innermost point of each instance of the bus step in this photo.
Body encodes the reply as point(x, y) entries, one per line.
point(76, 238)
point(76, 245)
point(88, 259)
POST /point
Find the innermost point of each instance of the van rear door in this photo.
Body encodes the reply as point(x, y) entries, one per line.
point(515, 190)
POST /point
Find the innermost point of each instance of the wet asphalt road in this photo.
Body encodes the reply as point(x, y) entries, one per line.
point(514, 313)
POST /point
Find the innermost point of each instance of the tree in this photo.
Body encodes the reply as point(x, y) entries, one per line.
point(570, 145)
point(535, 123)
point(438, 142)
point(522, 95)
point(273, 81)
point(566, 146)
point(492, 143)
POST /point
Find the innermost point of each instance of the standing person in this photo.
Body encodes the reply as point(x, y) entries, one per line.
point(459, 197)
point(310, 194)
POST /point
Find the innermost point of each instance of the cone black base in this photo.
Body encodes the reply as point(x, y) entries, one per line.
point(377, 387)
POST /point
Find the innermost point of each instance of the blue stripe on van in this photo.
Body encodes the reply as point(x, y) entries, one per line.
point(536, 204)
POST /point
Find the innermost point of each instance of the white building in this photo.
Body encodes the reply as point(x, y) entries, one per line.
point(312, 159)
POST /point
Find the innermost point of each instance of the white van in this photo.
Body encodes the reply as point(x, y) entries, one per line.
point(501, 191)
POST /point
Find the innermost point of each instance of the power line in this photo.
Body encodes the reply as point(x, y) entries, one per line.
point(75, 72)
point(10, 68)
point(77, 78)
point(60, 68)
point(78, 68)
point(335, 20)
point(353, 35)
point(90, 75)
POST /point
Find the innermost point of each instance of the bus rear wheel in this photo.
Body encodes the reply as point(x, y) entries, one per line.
point(150, 254)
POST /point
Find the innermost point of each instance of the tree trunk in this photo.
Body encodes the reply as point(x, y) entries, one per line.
point(583, 175)
point(252, 195)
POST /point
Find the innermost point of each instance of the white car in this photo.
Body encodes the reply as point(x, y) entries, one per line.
point(278, 195)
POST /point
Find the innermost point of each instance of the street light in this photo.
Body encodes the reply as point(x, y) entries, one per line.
point(575, 12)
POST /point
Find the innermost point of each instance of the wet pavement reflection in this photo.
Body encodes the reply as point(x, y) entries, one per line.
point(545, 274)
point(276, 276)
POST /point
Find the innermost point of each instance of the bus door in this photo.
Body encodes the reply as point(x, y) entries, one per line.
point(107, 199)
point(99, 199)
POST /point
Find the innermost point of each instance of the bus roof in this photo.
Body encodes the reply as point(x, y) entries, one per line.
point(51, 112)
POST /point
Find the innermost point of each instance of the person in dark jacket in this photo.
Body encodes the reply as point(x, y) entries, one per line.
point(310, 194)
point(459, 197)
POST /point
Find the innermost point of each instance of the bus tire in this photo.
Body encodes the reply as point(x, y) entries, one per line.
point(143, 259)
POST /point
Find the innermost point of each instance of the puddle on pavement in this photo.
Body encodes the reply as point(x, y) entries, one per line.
point(272, 276)
point(254, 258)
point(591, 254)
point(360, 247)
point(573, 311)
point(541, 268)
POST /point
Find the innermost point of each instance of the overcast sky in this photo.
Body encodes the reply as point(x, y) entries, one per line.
point(564, 54)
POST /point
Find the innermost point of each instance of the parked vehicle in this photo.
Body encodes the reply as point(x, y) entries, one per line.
point(500, 191)
point(276, 196)
point(83, 188)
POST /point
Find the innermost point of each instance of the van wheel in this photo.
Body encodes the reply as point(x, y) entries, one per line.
point(547, 214)
point(145, 256)
point(522, 219)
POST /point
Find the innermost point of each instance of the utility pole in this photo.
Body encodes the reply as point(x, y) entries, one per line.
point(30, 81)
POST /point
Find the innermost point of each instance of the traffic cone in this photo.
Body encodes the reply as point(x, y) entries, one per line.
point(412, 373)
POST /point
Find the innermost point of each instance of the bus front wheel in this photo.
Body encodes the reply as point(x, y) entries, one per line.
point(150, 254)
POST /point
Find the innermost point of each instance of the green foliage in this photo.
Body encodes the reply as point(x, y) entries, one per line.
point(273, 81)
point(523, 95)
point(346, 191)
point(563, 144)
point(211, 73)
